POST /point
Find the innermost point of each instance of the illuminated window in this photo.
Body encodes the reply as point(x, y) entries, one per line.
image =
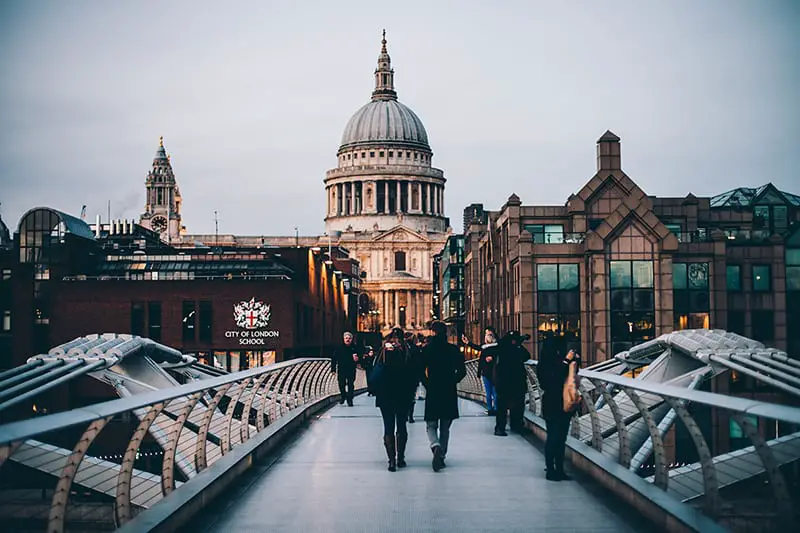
point(691, 296)
point(761, 278)
point(558, 303)
point(632, 303)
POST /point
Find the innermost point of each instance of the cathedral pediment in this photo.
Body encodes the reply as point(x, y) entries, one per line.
point(400, 234)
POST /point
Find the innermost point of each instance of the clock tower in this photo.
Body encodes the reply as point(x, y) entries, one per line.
point(162, 210)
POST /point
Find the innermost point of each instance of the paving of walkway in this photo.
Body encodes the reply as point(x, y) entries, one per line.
point(333, 478)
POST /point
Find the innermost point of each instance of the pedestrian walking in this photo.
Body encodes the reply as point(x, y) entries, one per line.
point(443, 367)
point(511, 381)
point(555, 366)
point(344, 360)
point(392, 379)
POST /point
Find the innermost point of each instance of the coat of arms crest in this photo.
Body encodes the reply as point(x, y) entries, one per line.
point(251, 315)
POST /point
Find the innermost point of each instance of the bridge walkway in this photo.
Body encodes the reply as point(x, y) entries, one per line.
point(333, 478)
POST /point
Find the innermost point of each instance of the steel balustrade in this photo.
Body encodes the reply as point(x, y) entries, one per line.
point(186, 429)
point(629, 405)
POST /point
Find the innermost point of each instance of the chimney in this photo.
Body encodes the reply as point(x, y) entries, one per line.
point(97, 227)
point(608, 156)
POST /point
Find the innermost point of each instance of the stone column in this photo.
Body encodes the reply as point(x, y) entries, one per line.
point(383, 307)
point(429, 199)
point(385, 196)
point(353, 198)
point(435, 199)
point(419, 198)
point(441, 200)
point(396, 307)
point(397, 202)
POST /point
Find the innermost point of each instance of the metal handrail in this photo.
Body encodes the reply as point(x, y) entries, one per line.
point(190, 426)
point(625, 418)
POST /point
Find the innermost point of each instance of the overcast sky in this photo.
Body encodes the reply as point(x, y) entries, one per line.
point(252, 99)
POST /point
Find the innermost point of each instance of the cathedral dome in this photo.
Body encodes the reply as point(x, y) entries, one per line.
point(385, 121)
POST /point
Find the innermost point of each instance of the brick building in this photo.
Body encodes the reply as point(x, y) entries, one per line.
point(234, 308)
point(614, 267)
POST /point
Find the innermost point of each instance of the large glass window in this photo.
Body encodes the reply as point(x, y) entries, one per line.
point(558, 299)
point(546, 233)
point(632, 303)
point(189, 318)
point(733, 275)
point(761, 278)
point(205, 322)
point(137, 318)
point(763, 326)
point(793, 269)
point(154, 321)
point(690, 296)
point(6, 320)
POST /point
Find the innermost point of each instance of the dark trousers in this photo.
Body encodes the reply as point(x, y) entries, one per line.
point(394, 420)
point(513, 403)
point(557, 430)
point(347, 382)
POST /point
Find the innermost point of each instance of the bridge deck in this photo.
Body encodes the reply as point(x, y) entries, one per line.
point(333, 478)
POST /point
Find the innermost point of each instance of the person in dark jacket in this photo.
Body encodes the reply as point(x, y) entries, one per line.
point(443, 367)
point(552, 372)
point(344, 360)
point(486, 362)
point(367, 361)
point(511, 381)
point(391, 397)
point(414, 353)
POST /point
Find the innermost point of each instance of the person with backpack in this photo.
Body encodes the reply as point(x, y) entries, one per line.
point(553, 370)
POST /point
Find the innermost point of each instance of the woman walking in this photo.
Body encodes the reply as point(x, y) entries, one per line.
point(392, 391)
point(553, 370)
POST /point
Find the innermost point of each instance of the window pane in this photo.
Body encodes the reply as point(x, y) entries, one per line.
point(554, 234)
point(763, 326)
point(643, 300)
point(642, 274)
point(674, 228)
point(793, 278)
point(736, 322)
point(698, 301)
point(547, 277)
point(567, 277)
point(548, 302)
point(620, 274)
point(569, 302)
point(621, 300)
point(793, 256)
point(780, 217)
point(734, 277)
point(761, 217)
point(537, 231)
point(679, 275)
point(761, 278)
point(698, 275)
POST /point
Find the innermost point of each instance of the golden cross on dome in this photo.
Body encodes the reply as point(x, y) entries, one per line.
point(161, 141)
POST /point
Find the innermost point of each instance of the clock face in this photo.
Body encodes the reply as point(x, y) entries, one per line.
point(159, 224)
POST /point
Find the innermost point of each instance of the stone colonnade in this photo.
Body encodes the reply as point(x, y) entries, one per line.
point(355, 198)
point(416, 304)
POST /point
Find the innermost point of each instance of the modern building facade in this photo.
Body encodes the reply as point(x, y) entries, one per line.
point(449, 289)
point(614, 267)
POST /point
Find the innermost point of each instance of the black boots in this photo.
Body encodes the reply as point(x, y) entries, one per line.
point(438, 458)
point(401, 450)
point(388, 443)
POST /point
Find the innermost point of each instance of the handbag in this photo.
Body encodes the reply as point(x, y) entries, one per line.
point(571, 395)
point(377, 379)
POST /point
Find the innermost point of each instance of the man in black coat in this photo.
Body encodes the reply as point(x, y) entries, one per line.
point(511, 381)
point(344, 360)
point(443, 367)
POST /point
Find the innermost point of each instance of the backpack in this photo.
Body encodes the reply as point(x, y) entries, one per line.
point(571, 395)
